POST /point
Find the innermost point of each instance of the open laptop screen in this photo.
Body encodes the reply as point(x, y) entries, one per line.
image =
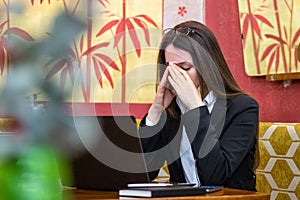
point(111, 155)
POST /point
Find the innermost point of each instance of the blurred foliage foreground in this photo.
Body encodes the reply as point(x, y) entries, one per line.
point(33, 158)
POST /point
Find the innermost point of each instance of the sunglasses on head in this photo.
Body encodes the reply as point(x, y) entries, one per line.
point(186, 31)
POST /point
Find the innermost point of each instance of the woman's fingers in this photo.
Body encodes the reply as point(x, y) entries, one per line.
point(178, 77)
point(184, 87)
point(164, 79)
point(180, 73)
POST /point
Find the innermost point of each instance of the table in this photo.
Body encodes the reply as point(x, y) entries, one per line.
point(225, 193)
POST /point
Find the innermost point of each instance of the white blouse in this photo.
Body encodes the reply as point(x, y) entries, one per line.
point(187, 159)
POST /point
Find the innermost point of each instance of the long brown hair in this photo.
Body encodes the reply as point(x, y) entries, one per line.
point(208, 59)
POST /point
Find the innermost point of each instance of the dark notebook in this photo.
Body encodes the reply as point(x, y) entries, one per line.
point(167, 191)
point(111, 157)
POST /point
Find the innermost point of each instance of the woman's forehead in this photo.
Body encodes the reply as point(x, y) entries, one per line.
point(173, 54)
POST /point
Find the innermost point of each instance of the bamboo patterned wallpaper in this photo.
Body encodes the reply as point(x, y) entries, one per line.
point(109, 59)
point(271, 36)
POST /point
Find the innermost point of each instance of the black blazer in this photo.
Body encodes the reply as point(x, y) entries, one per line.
point(223, 142)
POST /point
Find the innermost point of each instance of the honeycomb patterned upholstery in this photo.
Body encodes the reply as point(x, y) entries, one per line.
point(279, 170)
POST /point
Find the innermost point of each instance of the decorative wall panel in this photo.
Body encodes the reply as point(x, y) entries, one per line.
point(114, 59)
point(271, 36)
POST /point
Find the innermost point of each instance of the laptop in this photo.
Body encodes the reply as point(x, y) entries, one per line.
point(110, 156)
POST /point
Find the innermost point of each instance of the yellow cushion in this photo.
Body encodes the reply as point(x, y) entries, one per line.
point(278, 172)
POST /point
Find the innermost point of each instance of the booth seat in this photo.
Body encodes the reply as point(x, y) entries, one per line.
point(279, 170)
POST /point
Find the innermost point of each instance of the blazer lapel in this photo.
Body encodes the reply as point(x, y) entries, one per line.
point(217, 121)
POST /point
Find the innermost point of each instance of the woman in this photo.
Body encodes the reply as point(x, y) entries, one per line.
point(201, 123)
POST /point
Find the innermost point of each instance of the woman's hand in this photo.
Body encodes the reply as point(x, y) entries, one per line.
point(184, 87)
point(162, 100)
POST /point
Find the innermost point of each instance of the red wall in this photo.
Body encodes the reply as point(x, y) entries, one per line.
point(277, 103)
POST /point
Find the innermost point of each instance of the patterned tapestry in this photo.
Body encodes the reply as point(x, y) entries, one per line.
point(114, 59)
point(271, 36)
